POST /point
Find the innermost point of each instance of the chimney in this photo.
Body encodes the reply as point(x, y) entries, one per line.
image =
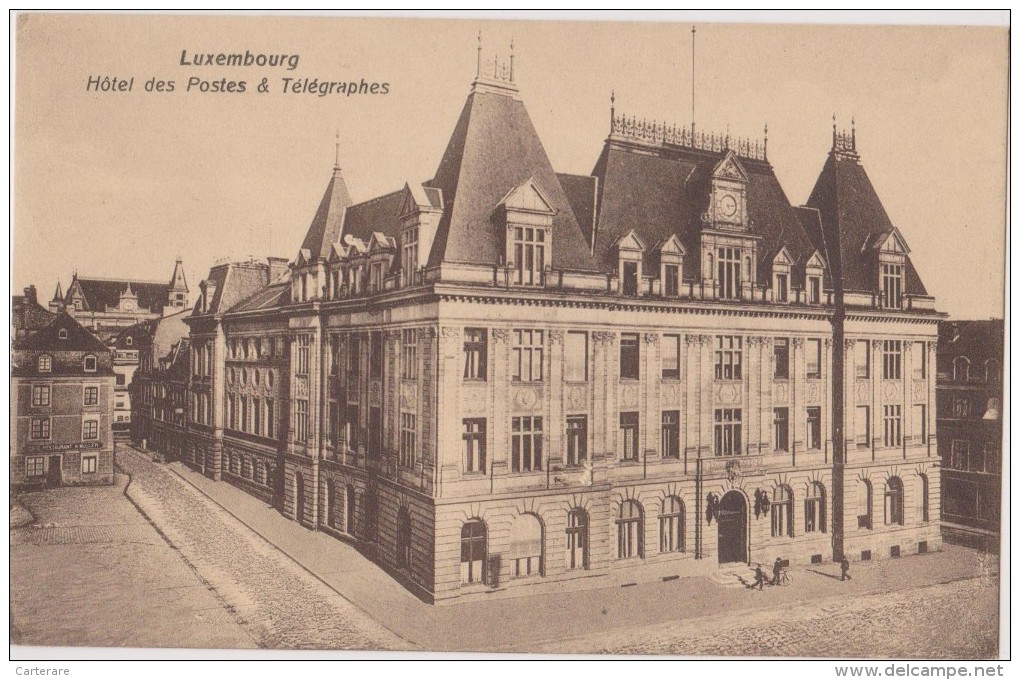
point(277, 266)
point(30, 294)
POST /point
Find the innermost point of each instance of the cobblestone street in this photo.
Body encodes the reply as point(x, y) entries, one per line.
point(280, 604)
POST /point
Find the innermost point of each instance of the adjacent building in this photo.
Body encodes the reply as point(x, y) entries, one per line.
point(27, 315)
point(507, 376)
point(159, 390)
point(970, 429)
point(61, 407)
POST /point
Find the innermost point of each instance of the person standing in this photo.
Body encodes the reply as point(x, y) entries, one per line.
point(844, 568)
point(777, 569)
point(759, 578)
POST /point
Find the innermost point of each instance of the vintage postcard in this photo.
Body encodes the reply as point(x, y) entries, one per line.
point(417, 335)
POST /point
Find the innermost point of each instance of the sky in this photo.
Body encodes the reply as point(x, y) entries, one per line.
point(119, 184)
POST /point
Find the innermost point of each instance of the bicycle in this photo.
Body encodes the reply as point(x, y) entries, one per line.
point(784, 578)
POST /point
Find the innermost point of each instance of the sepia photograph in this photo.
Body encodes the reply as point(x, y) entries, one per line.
point(652, 336)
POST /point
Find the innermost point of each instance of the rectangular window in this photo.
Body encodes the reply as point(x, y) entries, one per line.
point(35, 466)
point(89, 464)
point(814, 427)
point(729, 273)
point(375, 431)
point(630, 360)
point(670, 357)
point(375, 356)
point(671, 434)
point(781, 428)
point(671, 280)
point(245, 423)
point(353, 426)
point(577, 440)
point(576, 351)
point(630, 278)
point(961, 407)
point(893, 425)
point(727, 431)
point(40, 395)
point(354, 358)
point(528, 352)
point(409, 354)
point(301, 429)
point(120, 377)
point(529, 255)
point(91, 396)
point(891, 359)
point(782, 288)
point(959, 454)
point(90, 364)
point(862, 359)
point(892, 285)
point(90, 429)
point(474, 445)
point(40, 428)
point(45, 363)
point(408, 440)
point(728, 352)
point(256, 416)
point(814, 290)
point(814, 357)
point(303, 351)
point(409, 255)
point(629, 436)
point(781, 359)
point(919, 361)
point(476, 341)
point(920, 424)
point(270, 422)
point(862, 425)
point(526, 443)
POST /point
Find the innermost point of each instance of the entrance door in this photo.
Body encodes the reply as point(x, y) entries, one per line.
point(732, 528)
point(54, 475)
point(299, 496)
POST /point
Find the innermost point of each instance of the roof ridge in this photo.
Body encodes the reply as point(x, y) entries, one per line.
point(377, 198)
point(122, 280)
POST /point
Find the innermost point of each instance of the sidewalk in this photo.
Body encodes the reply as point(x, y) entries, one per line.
point(525, 622)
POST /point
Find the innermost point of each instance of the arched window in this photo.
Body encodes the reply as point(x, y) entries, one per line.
point(961, 369)
point(630, 530)
point(45, 363)
point(782, 512)
point(864, 504)
point(526, 550)
point(671, 525)
point(992, 372)
point(814, 509)
point(577, 539)
point(403, 538)
point(894, 501)
point(472, 551)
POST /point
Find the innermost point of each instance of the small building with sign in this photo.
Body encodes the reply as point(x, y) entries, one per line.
point(62, 388)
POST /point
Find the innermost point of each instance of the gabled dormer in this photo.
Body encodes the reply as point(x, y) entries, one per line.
point(527, 215)
point(671, 266)
point(891, 252)
point(420, 211)
point(630, 253)
point(782, 264)
point(381, 252)
point(814, 270)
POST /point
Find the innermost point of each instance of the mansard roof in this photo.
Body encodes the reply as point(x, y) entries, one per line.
point(663, 190)
point(275, 295)
point(581, 194)
point(98, 294)
point(493, 149)
point(234, 283)
point(853, 218)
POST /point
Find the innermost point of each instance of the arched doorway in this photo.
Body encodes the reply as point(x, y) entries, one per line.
point(732, 518)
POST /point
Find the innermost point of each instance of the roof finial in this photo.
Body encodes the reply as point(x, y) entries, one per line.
point(612, 109)
point(833, 130)
point(853, 133)
point(765, 151)
point(693, 31)
point(511, 60)
point(478, 69)
point(336, 157)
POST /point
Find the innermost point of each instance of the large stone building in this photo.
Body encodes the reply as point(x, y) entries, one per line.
point(970, 429)
point(507, 376)
point(61, 407)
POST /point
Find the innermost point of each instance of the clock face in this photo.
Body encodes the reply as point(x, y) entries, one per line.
point(128, 305)
point(728, 206)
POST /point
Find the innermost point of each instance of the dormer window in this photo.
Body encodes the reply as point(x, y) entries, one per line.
point(90, 363)
point(671, 259)
point(671, 280)
point(129, 341)
point(814, 290)
point(728, 262)
point(782, 286)
point(892, 285)
point(528, 215)
point(45, 363)
point(62, 334)
point(409, 255)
